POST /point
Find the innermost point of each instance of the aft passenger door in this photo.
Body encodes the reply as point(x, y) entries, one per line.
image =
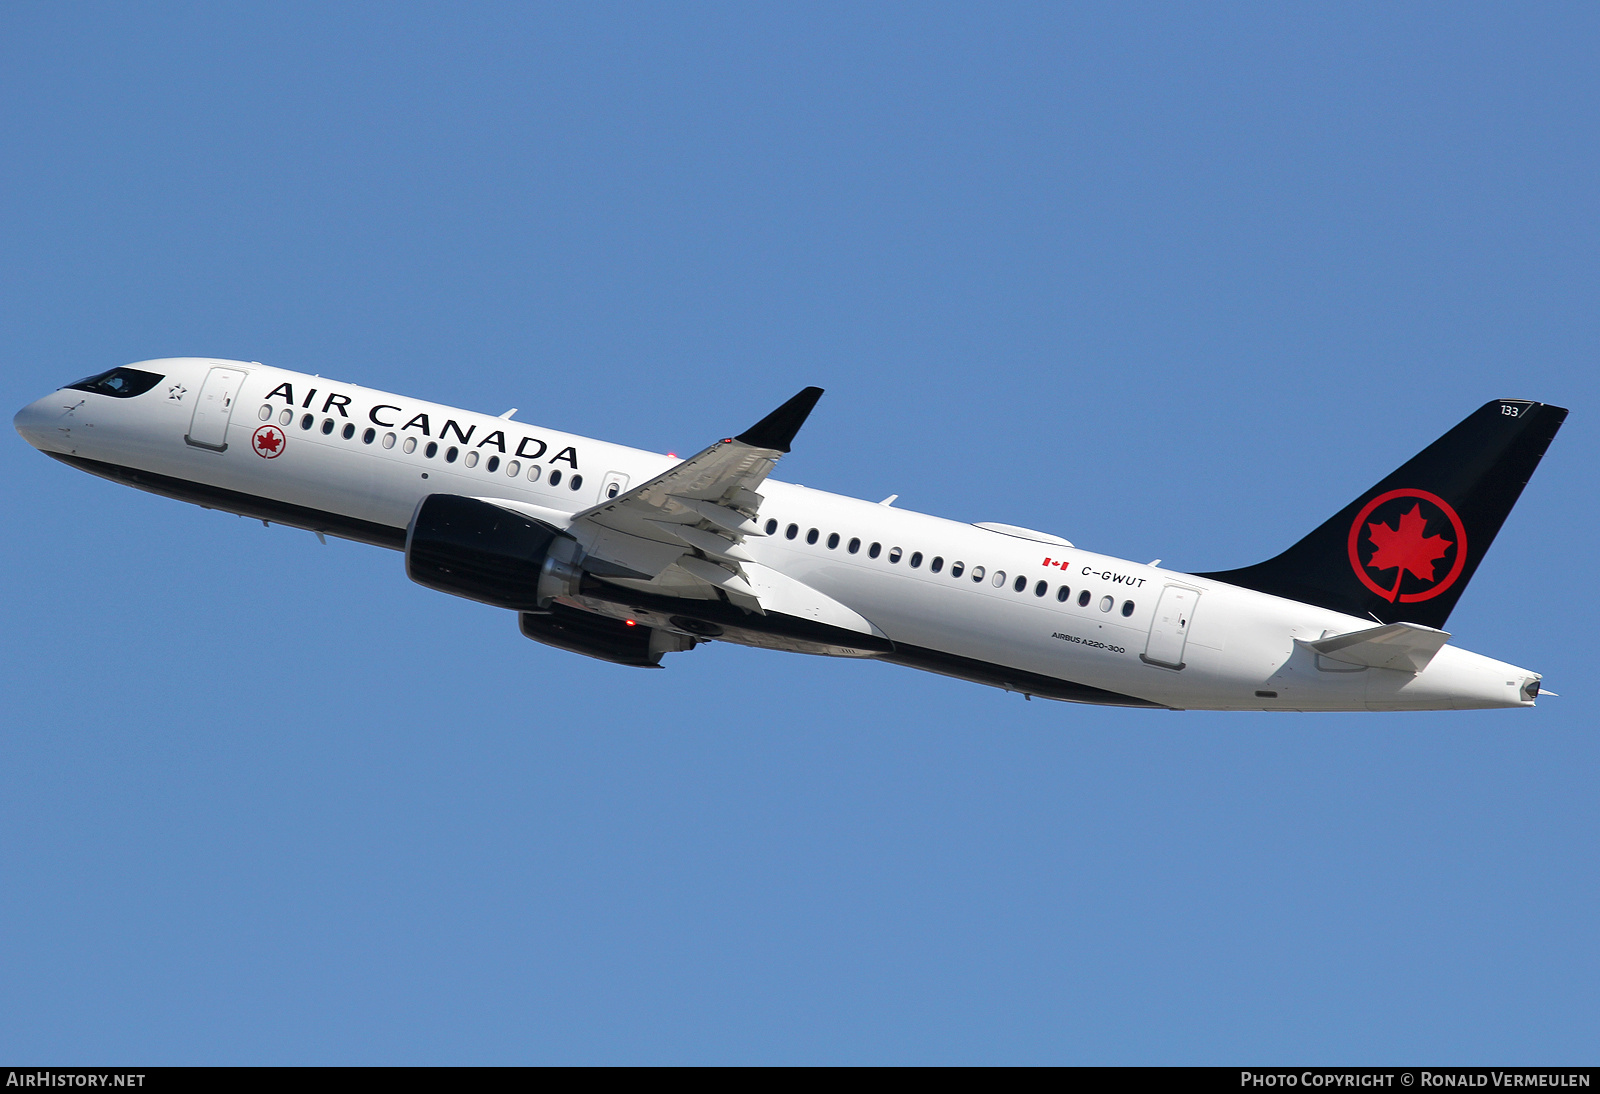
point(1169, 630)
point(209, 426)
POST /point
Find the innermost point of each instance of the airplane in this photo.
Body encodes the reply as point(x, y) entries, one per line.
point(627, 555)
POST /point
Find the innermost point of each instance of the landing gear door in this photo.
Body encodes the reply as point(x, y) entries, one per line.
point(209, 427)
point(1169, 630)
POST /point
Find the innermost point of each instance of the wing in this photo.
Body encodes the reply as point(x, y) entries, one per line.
point(672, 550)
point(692, 519)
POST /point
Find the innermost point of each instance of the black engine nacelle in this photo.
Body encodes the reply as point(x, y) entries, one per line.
point(601, 636)
point(481, 551)
point(484, 552)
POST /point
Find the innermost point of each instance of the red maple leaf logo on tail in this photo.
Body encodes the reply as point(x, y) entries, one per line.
point(1406, 548)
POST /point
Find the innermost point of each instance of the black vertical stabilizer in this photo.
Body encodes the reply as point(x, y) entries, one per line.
point(1404, 550)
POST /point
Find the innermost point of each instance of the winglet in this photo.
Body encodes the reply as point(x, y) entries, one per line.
point(777, 429)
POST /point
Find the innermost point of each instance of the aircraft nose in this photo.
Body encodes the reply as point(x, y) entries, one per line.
point(36, 422)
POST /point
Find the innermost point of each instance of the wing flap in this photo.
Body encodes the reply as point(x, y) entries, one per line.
point(784, 595)
point(724, 517)
point(644, 556)
point(710, 542)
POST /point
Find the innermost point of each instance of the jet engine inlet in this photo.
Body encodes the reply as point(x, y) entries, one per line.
point(478, 550)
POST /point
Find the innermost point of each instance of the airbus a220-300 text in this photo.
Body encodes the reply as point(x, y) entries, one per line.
point(628, 555)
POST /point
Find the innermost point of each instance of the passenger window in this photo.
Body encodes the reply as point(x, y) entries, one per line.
point(534, 471)
point(1127, 608)
point(791, 531)
point(998, 579)
point(432, 450)
point(577, 482)
point(307, 422)
point(916, 559)
point(264, 413)
point(369, 436)
point(894, 555)
point(1105, 603)
point(855, 545)
point(772, 526)
point(811, 536)
point(285, 416)
point(388, 440)
point(874, 550)
point(613, 490)
point(513, 468)
point(349, 430)
point(1083, 599)
point(327, 426)
point(471, 460)
point(977, 573)
point(451, 453)
point(1062, 594)
point(956, 568)
point(410, 445)
point(1021, 583)
point(1041, 588)
point(555, 476)
point(833, 540)
point(493, 464)
point(936, 565)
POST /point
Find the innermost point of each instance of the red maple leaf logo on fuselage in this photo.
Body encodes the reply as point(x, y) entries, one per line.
point(1406, 548)
point(268, 442)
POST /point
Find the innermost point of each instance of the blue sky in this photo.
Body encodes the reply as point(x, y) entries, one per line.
point(1170, 280)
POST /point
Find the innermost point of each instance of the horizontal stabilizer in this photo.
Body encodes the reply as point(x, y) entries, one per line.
point(1407, 647)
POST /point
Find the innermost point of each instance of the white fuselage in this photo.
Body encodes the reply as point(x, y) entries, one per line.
point(994, 599)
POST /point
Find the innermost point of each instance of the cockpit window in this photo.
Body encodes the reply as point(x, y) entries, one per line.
point(119, 383)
